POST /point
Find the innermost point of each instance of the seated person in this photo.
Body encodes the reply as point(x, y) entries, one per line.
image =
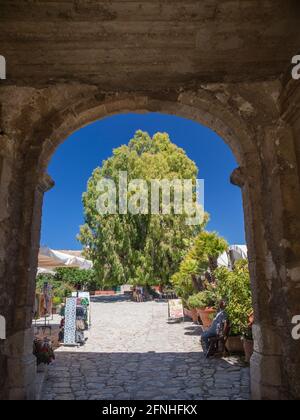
point(217, 326)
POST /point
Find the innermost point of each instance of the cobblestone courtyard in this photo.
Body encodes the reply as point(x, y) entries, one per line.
point(133, 352)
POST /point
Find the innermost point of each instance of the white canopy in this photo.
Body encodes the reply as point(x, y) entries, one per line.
point(65, 259)
point(223, 260)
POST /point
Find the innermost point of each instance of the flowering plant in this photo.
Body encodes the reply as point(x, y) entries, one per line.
point(43, 351)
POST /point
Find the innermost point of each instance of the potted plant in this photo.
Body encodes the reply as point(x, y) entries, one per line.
point(207, 308)
point(193, 305)
point(43, 352)
point(204, 302)
point(234, 287)
point(184, 288)
point(236, 316)
point(248, 344)
point(234, 344)
point(191, 313)
point(247, 339)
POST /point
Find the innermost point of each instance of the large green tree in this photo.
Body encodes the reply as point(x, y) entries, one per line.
point(143, 248)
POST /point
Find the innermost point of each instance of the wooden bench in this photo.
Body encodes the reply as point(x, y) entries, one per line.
point(217, 345)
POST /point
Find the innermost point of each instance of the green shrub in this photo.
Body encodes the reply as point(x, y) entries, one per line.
point(183, 286)
point(66, 279)
point(234, 286)
point(200, 260)
point(201, 300)
point(57, 301)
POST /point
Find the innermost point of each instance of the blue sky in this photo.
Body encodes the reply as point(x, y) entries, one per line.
point(82, 152)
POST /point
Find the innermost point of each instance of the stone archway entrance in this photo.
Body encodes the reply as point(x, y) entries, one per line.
point(248, 118)
point(222, 63)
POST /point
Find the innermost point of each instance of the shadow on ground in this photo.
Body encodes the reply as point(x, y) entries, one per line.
point(110, 299)
point(194, 330)
point(145, 376)
point(121, 298)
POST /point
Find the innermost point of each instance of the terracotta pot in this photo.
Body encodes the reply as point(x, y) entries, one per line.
point(248, 349)
point(194, 314)
point(235, 345)
point(206, 316)
point(187, 313)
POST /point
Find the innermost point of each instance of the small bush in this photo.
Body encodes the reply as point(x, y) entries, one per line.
point(201, 300)
point(234, 287)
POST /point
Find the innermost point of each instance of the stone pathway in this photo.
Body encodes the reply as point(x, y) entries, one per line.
point(134, 353)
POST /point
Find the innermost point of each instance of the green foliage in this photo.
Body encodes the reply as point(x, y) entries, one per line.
point(206, 251)
point(234, 286)
point(57, 301)
point(42, 279)
point(199, 260)
point(183, 286)
point(75, 277)
point(202, 300)
point(65, 280)
point(138, 249)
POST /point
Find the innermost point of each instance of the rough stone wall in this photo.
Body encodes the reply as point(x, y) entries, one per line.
point(250, 117)
point(147, 44)
point(199, 60)
point(288, 147)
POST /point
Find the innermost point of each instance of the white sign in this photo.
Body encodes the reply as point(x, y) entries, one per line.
point(296, 329)
point(2, 328)
point(2, 68)
point(126, 288)
point(296, 69)
point(176, 309)
point(70, 322)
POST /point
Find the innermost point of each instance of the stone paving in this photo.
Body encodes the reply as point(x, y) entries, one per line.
point(134, 353)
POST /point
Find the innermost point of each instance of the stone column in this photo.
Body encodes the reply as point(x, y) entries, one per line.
point(21, 199)
point(8, 249)
point(272, 211)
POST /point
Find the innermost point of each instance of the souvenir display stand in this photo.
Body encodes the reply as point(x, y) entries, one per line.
point(77, 319)
point(84, 299)
point(69, 333)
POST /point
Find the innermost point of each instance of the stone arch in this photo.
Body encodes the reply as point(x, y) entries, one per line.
point(247, 117)
point(205, 110)
point(201, 106)
point(72, 124)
